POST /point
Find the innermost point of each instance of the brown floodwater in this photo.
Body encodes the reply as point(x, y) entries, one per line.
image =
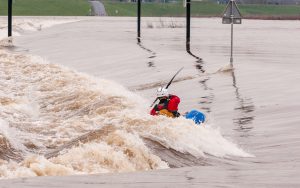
point(251, 137)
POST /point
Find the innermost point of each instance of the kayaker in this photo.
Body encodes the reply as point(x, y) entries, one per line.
point(167, 105)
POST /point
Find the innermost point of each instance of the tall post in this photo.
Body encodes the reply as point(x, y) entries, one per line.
point(188, 24)
point(231, 50)
point(139, 19)
point(9, 18)
point(231, 16)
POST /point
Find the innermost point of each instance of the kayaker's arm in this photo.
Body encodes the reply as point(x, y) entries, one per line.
point(154, 111)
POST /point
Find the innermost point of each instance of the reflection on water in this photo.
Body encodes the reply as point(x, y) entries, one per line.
point(199, 67)
point(150, 63)
point(246, 109)
point(152, 85)
point(207, 100)
point(188, 49)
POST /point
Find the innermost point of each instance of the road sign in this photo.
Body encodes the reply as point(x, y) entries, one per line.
point(232, 14)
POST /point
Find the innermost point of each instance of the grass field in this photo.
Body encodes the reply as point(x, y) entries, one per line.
point(161, 9)
point(198, 9)
point(270, 10)
point(47, 7)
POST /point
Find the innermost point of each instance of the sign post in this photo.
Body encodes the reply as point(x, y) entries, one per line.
point(9, 18)
point(188, 23)
point(139, 19)
point(232, 16)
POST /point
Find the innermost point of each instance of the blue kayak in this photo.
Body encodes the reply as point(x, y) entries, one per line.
point(197, 116)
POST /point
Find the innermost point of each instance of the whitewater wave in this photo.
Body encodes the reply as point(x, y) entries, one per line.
point(24, 24)
point(56, 121)
point(21, 25)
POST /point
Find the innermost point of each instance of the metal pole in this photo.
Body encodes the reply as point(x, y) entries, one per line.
point(231, 51)
point(139, 18)
point(188, 23)
point(9, 18)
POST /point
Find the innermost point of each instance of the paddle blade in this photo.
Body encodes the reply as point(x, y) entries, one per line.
point(173, 78)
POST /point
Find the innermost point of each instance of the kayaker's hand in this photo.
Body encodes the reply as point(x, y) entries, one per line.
point(176, 114)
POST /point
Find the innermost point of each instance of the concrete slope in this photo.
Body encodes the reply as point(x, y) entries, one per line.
point(98, 8)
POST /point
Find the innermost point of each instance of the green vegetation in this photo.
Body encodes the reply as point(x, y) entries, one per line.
point(270, 10)
point(162, 9)
point(115, 8)
point(47, 7)
point(198, 9)
point(119, 9)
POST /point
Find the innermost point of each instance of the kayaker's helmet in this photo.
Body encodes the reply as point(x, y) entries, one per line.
point(162, 92)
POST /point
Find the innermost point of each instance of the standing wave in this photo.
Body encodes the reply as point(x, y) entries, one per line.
point(56, 121)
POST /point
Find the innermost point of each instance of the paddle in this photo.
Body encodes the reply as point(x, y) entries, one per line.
point(168, 84)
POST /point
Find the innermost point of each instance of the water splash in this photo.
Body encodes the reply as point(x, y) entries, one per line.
point(21, 25)
point(65, 122)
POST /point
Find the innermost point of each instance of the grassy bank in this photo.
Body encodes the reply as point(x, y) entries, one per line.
point(47, 7)
point(200, 9)
point(271, 11)
point(161, 9)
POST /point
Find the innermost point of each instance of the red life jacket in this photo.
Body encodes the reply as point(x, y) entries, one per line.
point(170, 104)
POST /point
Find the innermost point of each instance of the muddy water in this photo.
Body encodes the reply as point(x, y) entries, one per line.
point(254, 105)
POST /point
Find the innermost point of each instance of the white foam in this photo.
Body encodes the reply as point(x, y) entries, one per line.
point(11, 134)
point(52, 106)
point(21, 25)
